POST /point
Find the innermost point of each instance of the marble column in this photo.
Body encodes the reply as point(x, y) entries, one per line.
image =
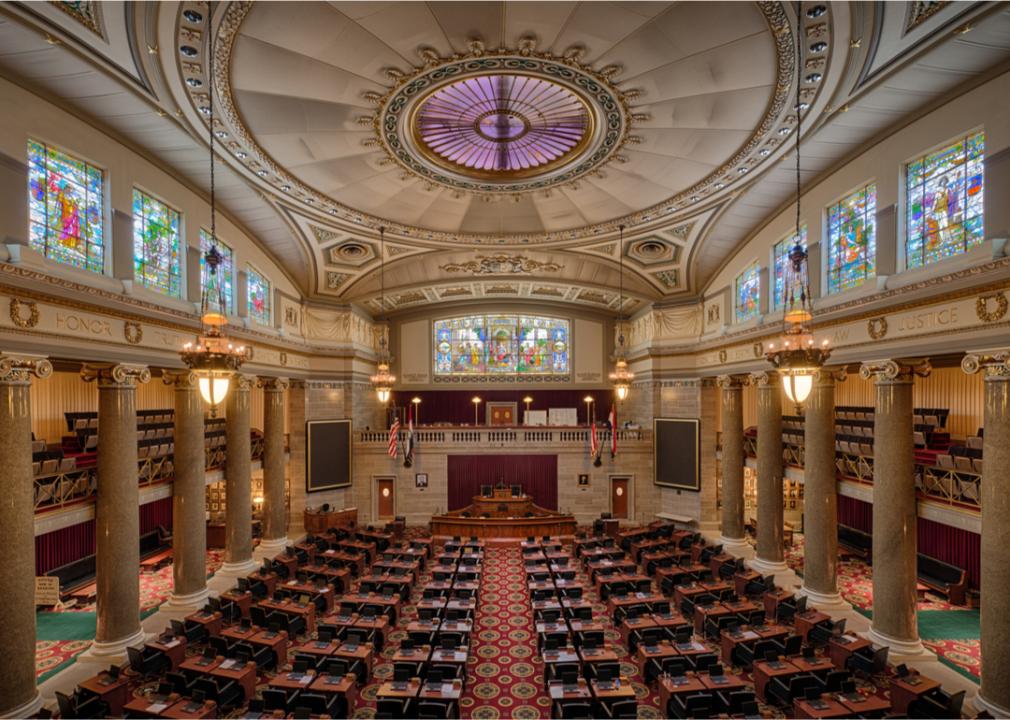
point(19, 696)
point(894, 505)
point(732, 537)
point(994, 694)
point(238, 559)
point(189, 495)
point(275, 513)
point(820, 498)
point(117, 504)
point(770, 517)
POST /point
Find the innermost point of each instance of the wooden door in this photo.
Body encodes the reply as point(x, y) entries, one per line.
point(385, 493)
point(619, 497)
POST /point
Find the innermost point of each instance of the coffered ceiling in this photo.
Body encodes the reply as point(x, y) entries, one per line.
point(682, 117)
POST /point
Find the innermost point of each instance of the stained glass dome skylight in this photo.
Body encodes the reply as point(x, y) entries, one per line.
point(502, 125)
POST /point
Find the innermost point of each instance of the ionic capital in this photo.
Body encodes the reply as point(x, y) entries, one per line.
point(273, 384)
point(730, 382)
point(995, 364)
point(242, 382)
point(764, 378)
point(896, 371)
point(830, 375)
point(19, 369)
point(181, 379)
point(124, 375)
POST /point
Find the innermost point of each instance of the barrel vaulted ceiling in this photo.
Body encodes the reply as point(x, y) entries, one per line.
point(501, 144)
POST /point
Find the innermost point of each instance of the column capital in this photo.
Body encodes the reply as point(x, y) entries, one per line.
point(18, 369)
point(273, 384)
point(830, 375)
point(115, 374)
point(995, 364)
point(731, 382)
point(242, 381)
point(763, 378)
point(297, 384)
point(898, 370)
point(181, 379)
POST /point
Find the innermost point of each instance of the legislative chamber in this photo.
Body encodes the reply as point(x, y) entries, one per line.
point(504, 359)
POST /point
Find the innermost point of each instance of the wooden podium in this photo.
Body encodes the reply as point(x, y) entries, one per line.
point(319, 522)
point(502, 503)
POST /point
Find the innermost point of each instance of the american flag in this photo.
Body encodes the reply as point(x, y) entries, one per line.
point(394, 437)
point(613, 431)
point(594, 442)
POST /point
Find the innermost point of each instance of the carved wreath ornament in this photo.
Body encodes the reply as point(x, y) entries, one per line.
point(994, 315)
point(18, 317)
point(133, 332)
point(877, 327)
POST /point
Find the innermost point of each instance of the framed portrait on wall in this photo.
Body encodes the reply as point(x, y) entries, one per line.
point(421, 481)
point(583, 480)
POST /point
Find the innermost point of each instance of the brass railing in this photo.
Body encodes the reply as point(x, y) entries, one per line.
point(60, 489)
point(504, 437)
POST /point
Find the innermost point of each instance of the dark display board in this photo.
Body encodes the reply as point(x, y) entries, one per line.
point(676, 447)
point(328, 455)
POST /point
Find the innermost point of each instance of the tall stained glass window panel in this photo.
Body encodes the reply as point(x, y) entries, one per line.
point(944, 202)
point(224, 278)
point(258, 290)
point(781, 256)
point(156, 262)
point(748, 293)
point(852, 240)
point(65, 208)
point(475, 345)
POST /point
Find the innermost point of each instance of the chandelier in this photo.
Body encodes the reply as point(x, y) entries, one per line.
point(798, 358)
point(382, 381)
point(213, 357)
point(621, 377)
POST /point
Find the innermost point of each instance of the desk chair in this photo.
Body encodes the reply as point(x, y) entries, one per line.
point(782, 691)
point(574, 711)
point(697, 705)
point(620, 709)
point(429, 710)
point(147, 661)
point(732, 703)
point(869, 661)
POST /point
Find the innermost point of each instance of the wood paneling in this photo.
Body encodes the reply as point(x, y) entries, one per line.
point(619, 497)
point(504, 527)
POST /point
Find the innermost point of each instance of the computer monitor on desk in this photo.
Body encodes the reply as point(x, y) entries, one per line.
point(485, 491)
point(517, 490)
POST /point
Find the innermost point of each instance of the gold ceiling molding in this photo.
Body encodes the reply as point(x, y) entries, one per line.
point(775, 124)
point(86, 12)
point(502, 265)
point(922, 10)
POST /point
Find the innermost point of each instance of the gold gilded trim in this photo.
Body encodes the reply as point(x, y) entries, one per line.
point(17, 316)
point(995, 315)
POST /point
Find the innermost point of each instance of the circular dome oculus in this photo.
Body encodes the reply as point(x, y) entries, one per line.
point(501, 125)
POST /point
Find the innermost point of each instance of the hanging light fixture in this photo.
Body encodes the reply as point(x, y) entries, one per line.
point(621, 377)
point(213, 356)
point(798, 357)
point(382, 381)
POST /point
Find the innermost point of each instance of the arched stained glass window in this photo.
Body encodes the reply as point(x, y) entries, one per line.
point(852, 240)
point(781, 257)
point(944, 202)
point(156, 263)
point(225, 274)
point(502, 344)
point(65, 208)
point(258, 291)
point(748, 293)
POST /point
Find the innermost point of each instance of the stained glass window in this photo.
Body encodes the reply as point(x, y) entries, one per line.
point(156, 263)
point(781, 256)
point(502, 345)
point(225, 274)
point(65, 218)
point(852, 240)
point(944, 202)
point(748, 293)
point(258, 290)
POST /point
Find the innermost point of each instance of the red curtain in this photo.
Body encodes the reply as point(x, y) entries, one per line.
point(156, 513)
point(456, 406)
point(537, 474)
point(855, 513)
point(63, 546)
point(952, 545)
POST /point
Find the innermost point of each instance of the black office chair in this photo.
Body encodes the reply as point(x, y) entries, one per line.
point(697, 705)
point(621, 709)
point(574, 711)
point(782, 691)
point(147, 661)
point(869, 661)
point(433, 711)
point(274, 699)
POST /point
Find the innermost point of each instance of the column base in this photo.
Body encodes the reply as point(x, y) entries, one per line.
point(768, 567)
point(997, 711)
point(734, 546)
point(108, 651)
point(271, 548)
point(237, 569)
point(189, 602)
point(25, 710)
point(825, 601)
point(899, 648)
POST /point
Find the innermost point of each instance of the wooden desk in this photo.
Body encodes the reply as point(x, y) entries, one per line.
point(289, 607)
point(212, 621)
point(727, 682)
point(764, 671)
point(114, 692)
point(244, 675)
point(804, 622)
point(317, 648)
point(772, 599)
point(502, 506)
point(704, 612)
point(577, 693)
point(864, 704)
point(905, 690)
point(657, 652)
point(741, 580)
point(671, 686)
point(292, 680)
point(514, 527)
point(190, 709)
point(319, 522)
point(345, 685)
point(150, 707)
point(363, 653)
point(729, 642)
point(831, 709)
point(419, 654)
point(174, 649)
point(622, 690)
point(840, 648)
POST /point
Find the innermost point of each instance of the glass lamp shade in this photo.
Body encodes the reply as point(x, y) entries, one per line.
point(383, 381)
point(621, 377)
point(622, 391)
point(383, 393)
point(798, 384)
point(214, 388)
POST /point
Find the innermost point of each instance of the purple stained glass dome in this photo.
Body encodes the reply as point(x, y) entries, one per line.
point(504, 124)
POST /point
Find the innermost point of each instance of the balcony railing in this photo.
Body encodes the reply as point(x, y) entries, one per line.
point(57, 490)
point(505, 437)
point(952, 487)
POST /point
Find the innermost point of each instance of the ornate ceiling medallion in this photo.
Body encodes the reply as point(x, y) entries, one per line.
point(502, 123)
